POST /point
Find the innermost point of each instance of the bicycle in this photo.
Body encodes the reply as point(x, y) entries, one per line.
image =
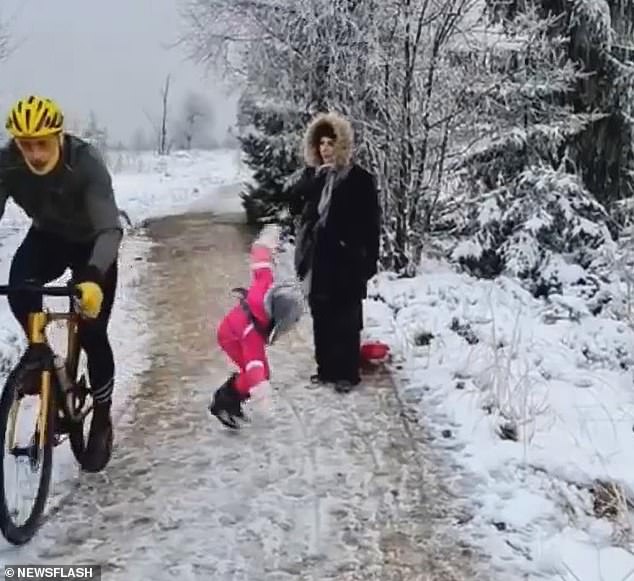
point(51, 379)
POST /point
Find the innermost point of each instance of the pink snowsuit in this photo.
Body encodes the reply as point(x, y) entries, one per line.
point(238, 337)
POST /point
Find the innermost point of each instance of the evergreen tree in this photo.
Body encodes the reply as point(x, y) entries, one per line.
point(524, 202)
point(271, 142)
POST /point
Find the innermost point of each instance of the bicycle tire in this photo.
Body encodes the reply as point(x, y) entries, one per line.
point(78, 444)
point(77, 440)
point(21, 534)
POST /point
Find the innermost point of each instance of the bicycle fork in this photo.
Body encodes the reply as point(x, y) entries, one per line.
point(44, 406)
point(36, 326)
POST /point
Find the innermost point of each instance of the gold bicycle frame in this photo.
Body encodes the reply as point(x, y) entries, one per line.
point(37, 323)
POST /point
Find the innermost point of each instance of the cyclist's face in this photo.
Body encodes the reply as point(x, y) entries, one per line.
point(327, 149)
point(39, 152)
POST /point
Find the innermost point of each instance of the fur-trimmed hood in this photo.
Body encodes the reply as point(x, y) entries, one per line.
point(344, 140)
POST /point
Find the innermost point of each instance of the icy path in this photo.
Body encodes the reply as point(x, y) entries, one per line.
point(335, 489)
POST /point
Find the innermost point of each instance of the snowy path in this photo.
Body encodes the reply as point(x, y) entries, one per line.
point(336, 488)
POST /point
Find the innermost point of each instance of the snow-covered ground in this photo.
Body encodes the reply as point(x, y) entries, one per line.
point(145, 186)
point(149, 186)
point(532, 405)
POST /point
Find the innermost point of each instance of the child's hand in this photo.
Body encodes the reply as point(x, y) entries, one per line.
point(269, 236)
point(260, 400)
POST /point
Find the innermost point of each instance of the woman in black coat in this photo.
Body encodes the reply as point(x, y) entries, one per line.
point(337, 246)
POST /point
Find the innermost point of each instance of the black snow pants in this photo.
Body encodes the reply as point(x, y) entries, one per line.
point(337, 336)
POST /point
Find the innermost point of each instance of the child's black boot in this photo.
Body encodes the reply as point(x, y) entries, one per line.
point(227, 404)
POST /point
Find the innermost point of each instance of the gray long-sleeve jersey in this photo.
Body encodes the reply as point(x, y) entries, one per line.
point(75, 201)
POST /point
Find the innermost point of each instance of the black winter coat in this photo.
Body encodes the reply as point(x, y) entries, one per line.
point(344, 254)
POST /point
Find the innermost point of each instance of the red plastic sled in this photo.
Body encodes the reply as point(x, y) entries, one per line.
point(374, 351)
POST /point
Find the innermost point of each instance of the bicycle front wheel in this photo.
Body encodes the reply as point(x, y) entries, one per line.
point(30, 448)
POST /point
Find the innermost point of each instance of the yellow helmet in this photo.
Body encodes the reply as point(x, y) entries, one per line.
point(34, 117)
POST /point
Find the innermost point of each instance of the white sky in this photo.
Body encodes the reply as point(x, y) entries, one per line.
point(109, 56)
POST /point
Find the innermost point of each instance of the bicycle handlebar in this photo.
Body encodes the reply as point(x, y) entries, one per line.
point(51, 291)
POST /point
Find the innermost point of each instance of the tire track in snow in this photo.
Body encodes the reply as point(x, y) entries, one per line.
point(310, 452)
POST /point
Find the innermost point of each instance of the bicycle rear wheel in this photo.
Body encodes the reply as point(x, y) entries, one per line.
point(37, 453)
point(76, 429)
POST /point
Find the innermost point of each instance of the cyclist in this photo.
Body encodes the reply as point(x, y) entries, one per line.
point(61, 182)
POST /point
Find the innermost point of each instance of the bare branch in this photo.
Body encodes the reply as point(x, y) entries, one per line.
point(8, 44)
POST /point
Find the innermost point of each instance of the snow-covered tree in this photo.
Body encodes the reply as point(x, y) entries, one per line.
point(383, 64)
point(601, 41)
point(531, 225)
point(270, 143)
point(525, 114)
point(6, 44)
point(437, 88)
point(523, 200)
point(194, 124)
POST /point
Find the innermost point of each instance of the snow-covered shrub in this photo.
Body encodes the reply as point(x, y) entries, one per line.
point(522, 228)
